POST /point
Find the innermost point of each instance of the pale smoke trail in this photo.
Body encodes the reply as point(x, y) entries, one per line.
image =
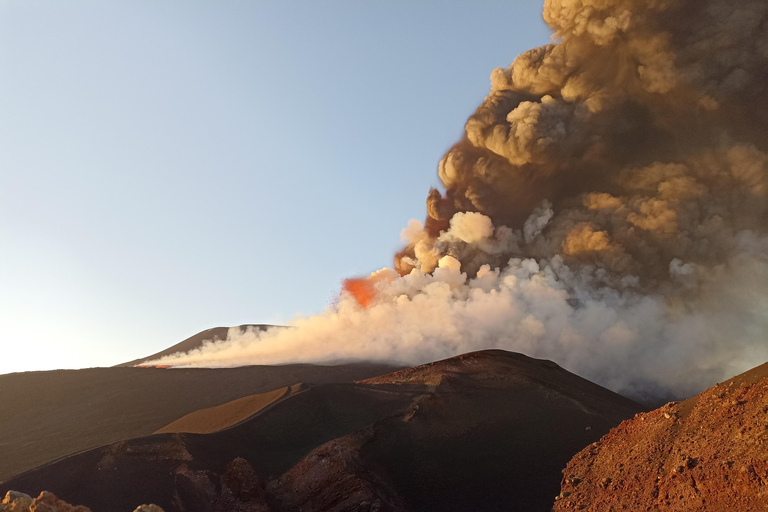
point(608, 205)
point(636, 343)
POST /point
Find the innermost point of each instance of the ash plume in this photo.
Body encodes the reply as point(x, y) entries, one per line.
point(606, 208)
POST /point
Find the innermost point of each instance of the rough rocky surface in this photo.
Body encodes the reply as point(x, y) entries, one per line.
point(241, 489)
point(335, 477)
point(708, 453)
point(16, 502)
point(45, 502)
point(48, 502)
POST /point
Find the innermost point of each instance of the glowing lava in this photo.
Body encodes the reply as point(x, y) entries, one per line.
point(361, 289)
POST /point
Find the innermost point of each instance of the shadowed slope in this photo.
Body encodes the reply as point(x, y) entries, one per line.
point(47, 415)
point(490, 431)
point(483, 431)
point(181, 472)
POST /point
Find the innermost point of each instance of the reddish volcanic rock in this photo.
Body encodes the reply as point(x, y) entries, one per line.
point(707, 453)
point(241, 489)
point(336, 478)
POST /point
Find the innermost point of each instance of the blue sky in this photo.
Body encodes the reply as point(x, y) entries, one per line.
point(166, 167)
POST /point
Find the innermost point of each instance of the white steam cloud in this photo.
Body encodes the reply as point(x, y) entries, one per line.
point(607, 209)
point(636, 343)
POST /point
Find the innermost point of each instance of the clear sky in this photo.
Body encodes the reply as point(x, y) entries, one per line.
point(169, 166)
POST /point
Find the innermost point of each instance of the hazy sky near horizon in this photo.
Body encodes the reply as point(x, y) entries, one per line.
point(166, 167)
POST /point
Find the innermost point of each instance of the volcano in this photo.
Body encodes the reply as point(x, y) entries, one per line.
point(52, 414)
point(481, 431)
point(198, 340)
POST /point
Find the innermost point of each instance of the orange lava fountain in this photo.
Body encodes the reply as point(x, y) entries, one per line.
point(361, 289)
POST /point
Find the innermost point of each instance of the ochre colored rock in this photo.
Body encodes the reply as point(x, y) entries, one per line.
point(48, 502)
point(709, 453)
point(148, 508)
point(16, 502)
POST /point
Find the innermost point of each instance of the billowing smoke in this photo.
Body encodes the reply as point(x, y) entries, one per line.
point(607, 209)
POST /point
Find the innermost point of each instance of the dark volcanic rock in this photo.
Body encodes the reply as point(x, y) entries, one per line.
point(58, 413)
point(485, 431)
point(241, 489)
point(708, 453)
point(336, 478)
point(182, 472)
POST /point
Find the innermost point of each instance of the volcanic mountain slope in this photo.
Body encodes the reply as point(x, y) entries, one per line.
point(214, 419)
point(197, 341)
point(709, 452)
point(483, 431)
point(48, 415)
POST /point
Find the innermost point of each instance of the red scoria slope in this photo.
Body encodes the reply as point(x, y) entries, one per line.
point(707, 453)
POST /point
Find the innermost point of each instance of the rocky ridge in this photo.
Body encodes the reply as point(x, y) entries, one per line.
point(483, 431)
point(707, 453)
